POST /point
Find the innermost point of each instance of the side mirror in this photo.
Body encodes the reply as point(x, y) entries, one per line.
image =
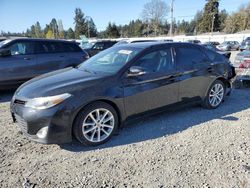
point(136, 71)
point(5, 52)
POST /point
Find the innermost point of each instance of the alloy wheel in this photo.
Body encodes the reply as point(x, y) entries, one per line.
point(98, 125)
point(216, 95)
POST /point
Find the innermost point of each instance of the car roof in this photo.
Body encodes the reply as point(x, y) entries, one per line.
point(145, 45)
point(36, 39)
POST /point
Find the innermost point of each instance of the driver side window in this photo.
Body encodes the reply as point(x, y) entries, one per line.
point(158, 61)
point(22, 48)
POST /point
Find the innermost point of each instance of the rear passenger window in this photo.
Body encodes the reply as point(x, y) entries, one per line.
point(214, 56)
point(188, 56)
point(56, 47)
point(42, 48)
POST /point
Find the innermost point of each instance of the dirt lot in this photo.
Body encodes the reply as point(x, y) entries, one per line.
point(192, 147)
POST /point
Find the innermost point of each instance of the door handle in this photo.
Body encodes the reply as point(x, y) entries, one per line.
point(172, 78)
point(210, 69)
point(27, 58)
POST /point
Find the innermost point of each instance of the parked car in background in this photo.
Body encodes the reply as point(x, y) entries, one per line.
point(214, 43)
point(2, 39)
point(245, 44)
point(229, 45)
point(94, 99)
point(194, 41)
point(129, 41)
point(23, 59)
point(99, 46)
point(212, 47)
point(242, 68)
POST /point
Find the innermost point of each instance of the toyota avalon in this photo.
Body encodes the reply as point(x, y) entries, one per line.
point(90, 102)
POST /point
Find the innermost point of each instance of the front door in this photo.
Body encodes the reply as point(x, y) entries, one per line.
point(20, 66)
point(156, 88)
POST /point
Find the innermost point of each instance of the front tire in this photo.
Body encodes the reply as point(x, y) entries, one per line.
point(95, 124)
point(215, 95)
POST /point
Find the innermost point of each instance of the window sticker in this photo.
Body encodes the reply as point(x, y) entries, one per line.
point(126, 52)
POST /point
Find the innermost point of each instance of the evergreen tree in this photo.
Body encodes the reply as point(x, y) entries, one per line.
point(92, 28)
point(54, 28)
point(38, 30)
point(70, 34)
point(33, 31)
point(112, 31)
point(81, 27)
point(210, 19)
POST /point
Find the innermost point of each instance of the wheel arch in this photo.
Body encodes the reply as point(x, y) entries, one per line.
point(224, 81)
point(110, 102)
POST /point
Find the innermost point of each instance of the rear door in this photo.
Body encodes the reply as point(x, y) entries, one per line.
point(196, 72)
point(50, 56)
point(21, 65)
point(156, 88)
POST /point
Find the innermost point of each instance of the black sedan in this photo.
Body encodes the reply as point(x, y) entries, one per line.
point(94, 99)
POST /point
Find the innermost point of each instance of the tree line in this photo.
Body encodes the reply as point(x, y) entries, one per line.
point(153, 22)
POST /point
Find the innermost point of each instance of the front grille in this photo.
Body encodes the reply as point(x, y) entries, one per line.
point(17, 101)
point(21, 122)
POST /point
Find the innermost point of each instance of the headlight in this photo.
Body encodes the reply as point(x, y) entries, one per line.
point(46, 102)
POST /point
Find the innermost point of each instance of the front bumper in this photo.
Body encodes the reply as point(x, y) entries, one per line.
point(50, 126)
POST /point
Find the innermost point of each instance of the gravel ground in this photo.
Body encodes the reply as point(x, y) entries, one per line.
point(191, 147)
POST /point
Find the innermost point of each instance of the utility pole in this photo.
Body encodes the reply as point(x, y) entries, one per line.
point(212, 29)
point(214, 14)
point(172, 17)
point(88, 20)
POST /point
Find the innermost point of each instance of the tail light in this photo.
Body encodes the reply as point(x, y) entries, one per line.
point(242, 66)
point(247, 60)
point(245, 64)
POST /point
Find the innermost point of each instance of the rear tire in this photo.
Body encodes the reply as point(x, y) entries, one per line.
point(95, 124)
point(215, 95)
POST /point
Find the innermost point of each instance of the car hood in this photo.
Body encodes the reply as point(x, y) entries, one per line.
point(62, 81)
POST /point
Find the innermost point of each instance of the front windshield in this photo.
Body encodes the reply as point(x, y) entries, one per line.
point(111, 60)
point(4, 42)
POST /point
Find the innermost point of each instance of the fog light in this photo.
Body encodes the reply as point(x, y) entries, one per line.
point(42, 133)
